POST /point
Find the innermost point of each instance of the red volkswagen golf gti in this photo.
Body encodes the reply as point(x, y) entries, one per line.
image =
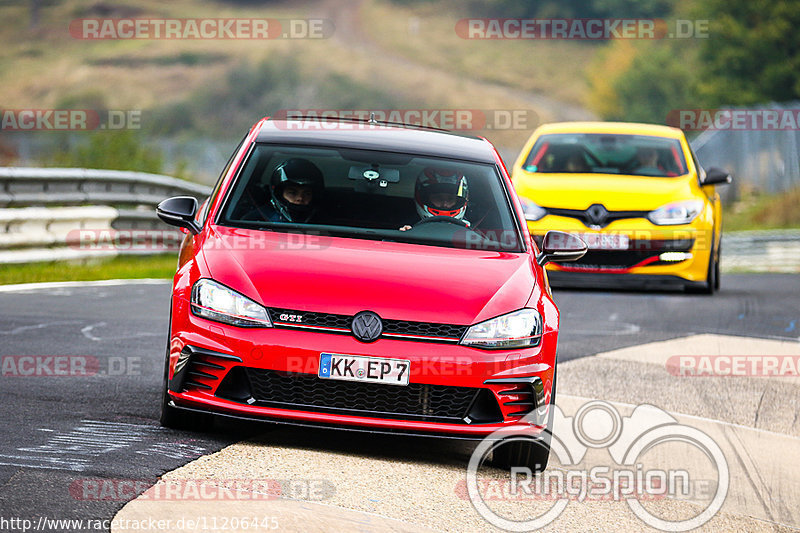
point(364, 276)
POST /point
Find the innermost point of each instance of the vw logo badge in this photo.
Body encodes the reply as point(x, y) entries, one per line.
point(367, 326)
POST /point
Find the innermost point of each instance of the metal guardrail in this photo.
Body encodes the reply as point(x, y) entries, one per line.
point(24, 186)
point(761, 251)
point(44, 210)
point(759, 158)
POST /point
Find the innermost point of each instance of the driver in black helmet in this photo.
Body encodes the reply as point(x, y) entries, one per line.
point(295, 188)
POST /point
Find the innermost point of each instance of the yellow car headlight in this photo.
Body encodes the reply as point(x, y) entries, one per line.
point(532, 211)
point(676, 213)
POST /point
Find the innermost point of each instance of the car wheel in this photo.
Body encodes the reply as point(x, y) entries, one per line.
point(716, 269)
point(531, 453)
point(712, 278)
point(170, 417)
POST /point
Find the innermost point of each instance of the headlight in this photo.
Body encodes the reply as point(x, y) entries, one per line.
point(519, 329)
point(215, 301)
point(532, 211)
point(676, 213)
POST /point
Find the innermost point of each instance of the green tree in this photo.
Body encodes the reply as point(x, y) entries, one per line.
point(661, 78)
point(752, 54)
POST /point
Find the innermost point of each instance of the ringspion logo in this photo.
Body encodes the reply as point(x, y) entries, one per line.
point(598, 425)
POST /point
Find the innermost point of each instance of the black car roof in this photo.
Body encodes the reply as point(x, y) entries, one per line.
point(407, 140)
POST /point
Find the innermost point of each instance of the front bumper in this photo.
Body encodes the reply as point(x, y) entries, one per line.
point(271, 374)
point(600, 280)
point(660, 256)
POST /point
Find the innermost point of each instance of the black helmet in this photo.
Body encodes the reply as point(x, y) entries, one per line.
point(299, 172)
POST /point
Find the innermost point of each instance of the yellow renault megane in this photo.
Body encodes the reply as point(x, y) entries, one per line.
point(634, 193)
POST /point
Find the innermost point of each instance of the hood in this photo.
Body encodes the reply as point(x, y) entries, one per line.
point(615, 192)
point(344, 276)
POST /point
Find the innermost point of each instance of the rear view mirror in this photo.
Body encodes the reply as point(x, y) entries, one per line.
point(391, 175)
point(716, 176)
point(558, 246)
point(179, 211)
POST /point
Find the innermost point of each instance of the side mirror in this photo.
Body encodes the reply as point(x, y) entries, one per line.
point(179, 211)
point(558, 246)
point(717, 176)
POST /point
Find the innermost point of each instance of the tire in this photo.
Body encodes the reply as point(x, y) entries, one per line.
point(716, 268)
point(170, 417)
point(528, 452)
point(175, 418)
point(712, 278)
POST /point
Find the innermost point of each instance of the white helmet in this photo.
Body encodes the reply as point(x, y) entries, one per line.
point(441, 192)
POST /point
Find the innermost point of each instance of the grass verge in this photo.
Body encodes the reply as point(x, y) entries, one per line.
point(122, 267)
point(754, 212)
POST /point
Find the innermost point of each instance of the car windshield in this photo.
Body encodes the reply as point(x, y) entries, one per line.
point(582, 153)
point(373, 195)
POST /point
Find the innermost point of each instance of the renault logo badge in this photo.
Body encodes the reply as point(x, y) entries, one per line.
point(597, 215)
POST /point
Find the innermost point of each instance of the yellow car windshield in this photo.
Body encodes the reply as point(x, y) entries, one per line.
point(581, 153)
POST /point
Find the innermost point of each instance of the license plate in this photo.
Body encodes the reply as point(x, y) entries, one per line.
point(605, 241)
point(367, 369)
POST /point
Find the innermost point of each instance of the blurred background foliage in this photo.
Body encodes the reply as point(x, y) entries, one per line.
point(118, 150)
point(751, 53)
point(385, 54)
point(751, 56)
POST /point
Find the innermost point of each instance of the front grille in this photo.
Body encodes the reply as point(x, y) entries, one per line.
point(307, 392)
point(584, 216)
point(294, 318)
point(333, 323)
point(426, 329)
point(637, 252)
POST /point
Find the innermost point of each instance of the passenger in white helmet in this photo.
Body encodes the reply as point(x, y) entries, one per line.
point(441, 193)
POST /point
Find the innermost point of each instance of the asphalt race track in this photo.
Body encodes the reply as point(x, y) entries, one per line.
point(60, 431)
